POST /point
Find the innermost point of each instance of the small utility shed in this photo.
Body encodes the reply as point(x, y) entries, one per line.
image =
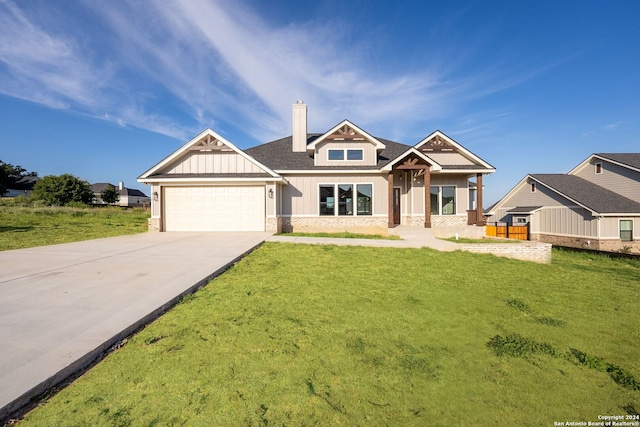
point(596, 205)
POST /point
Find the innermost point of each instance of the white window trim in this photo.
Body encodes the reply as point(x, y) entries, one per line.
point(344, 154)
point(619, 230)
point(335, 196)
point(597, 166)
point(532, 187)
point(518, 217)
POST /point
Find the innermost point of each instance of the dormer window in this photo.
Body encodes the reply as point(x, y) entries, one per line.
point(345, 154)
point(336, 154)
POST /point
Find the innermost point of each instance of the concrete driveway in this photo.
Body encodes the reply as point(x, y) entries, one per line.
point(61, 306)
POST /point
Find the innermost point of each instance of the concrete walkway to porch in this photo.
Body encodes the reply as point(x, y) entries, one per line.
point(412, 237)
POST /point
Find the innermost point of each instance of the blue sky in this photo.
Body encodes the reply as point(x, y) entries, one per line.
point(104, 90)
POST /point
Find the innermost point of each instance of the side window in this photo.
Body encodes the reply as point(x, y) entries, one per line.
point(626, 230)
point(598, 167)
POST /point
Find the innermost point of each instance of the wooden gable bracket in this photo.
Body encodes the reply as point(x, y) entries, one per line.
point(437, 144)
point(210, 143)
point(412, 164)
point(345, 133)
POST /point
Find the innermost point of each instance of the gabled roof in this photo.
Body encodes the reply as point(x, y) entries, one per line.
point(278, 155)
point(99, 187)
point(210, 141)
point(439, 142)
point(346, 131)
point(626, 160)
point(26, 182)
point(412, 150)
point(590, 196)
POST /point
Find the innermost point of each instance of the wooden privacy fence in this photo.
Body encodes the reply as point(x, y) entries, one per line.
point(520, 232)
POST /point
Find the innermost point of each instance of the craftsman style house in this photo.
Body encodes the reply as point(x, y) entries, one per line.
point(344, 178)
point(595, 206)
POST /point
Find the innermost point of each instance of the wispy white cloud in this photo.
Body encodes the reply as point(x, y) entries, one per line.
point(177, 66)
point(615, 126)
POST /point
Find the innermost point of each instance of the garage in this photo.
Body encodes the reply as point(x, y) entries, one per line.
point(214, 208)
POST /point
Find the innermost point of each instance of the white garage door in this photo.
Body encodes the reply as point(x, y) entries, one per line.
point(214, 209)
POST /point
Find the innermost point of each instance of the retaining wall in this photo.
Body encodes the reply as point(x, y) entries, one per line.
point(525, 251)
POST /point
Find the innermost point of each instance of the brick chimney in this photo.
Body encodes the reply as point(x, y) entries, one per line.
point(299, 127)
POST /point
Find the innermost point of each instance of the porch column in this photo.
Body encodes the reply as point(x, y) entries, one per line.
point(479, 209)
point(427, 196)
point(390, 179)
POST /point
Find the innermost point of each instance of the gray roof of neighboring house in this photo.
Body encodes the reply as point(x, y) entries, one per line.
point(24, 183)
point(99, 187)
point(277, 155)
point(588, 194)
point(524, 209)
point(629, 159)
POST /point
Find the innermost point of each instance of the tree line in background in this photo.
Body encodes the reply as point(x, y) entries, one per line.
point(54, 190)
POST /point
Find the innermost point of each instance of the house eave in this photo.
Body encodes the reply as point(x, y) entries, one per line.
point(151, 180)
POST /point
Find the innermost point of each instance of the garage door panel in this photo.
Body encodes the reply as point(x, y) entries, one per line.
point(237, 208)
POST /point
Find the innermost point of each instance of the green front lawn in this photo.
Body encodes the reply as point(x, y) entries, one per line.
point(323, 335)
point(25, 227)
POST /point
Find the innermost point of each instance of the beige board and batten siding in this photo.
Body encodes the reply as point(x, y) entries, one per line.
point(369, 155)
point(565, 221)
point(203, 162)
point(625, 182)
point(449, 158)
point(610, 227)
point(525, 197)
point(294, 204)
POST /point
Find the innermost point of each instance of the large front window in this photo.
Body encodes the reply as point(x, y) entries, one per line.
point(345, 199)
point(327, 200)
point(443, 200)
point(346, 203)
point(365, 194)
point(626, 230)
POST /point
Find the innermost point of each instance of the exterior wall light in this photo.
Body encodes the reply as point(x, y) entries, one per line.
point(155, 196)
point(271, 193)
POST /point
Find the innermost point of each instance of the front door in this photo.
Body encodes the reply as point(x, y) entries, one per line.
point(396, 205)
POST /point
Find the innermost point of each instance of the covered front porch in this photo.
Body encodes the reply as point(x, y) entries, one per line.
point(423, 193)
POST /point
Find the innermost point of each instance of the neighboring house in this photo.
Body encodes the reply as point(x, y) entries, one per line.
point(128, 197)
point(344, 178)
point(21, 187)
point(596, 205)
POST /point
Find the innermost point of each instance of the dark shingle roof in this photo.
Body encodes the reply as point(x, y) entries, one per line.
point(629, 159)
point(99, 187)
point(277, 155)
point(588, 194)
point(23, 183)
point(524, 209)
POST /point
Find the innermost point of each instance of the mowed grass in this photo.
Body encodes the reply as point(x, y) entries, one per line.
point(25, 227)
point(297, 335)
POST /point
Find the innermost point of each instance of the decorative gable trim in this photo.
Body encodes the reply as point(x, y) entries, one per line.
point(346, 131)
point(434, 165)
point(207, 140)
point(438, 142)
